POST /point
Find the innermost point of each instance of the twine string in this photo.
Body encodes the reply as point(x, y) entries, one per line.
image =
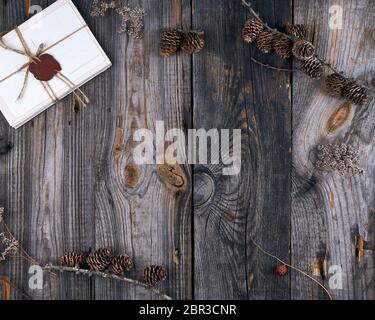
point(49, 91)
point(34, 58)
point(24, 84)
point(24, 44)
point(78, 93)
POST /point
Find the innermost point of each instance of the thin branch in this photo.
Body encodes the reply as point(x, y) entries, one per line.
point(269, 66)
point(21, 252)
point(332, 68)
point(273, 30)
point(292, 267)
point(325, 63)
point(90, 273)
point(272, 67)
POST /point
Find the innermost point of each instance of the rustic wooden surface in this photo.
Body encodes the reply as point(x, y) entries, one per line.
point(65, 185)
point(328, 211)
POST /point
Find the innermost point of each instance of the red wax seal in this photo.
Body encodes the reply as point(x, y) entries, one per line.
point(45, 68)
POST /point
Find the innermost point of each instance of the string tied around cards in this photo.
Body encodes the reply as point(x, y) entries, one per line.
point(44, 67)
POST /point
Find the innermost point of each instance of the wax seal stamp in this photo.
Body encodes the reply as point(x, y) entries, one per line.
point(45, 68)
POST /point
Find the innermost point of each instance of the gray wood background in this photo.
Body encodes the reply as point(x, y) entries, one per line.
point(64, 185)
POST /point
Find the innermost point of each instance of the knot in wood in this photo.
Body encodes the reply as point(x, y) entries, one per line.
point(173, 176)
point(5, 146)
point(132, 175)
point(204, 189)
point(339, 117)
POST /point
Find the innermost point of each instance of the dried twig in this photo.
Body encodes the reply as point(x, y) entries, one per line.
point(268, 66)
point(19, 251)
point(10, 244)
point(90, 273)
point(274, 30)
point(131, 18)
point(294, 268)
point(256, 15)
point(343, 158)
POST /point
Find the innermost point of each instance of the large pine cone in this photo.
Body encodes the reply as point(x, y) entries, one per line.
point(283, 47)
point(313, 67)
point(355, 93)
point(120, 264)
point(296, 30)
point(193, 42)
point(335, 83)
point(153, 274)
point(303, 49)
point(99, 259)
point(265, 42)
point(170, 42)
point(252, 30)
point(73, 259)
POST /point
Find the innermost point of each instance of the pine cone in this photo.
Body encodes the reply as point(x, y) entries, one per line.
point(170, 42)
point(355, 93)
point(73, 259)
point(193, 42)
point(296, 30)
point(153, 274)
point(335, 83)
point(265, 41)
point(313, 67)
point(283, 47)
point(303, 49)
point(120, 264)
point(252, 30)
point(99, 259)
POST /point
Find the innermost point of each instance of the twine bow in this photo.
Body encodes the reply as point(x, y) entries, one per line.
point(34, 58)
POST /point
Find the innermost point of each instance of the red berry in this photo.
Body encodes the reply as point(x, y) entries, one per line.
point(281, 270)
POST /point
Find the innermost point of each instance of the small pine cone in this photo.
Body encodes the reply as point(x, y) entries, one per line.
point(193, 42)
point(313, 67)
point(303, 49)
point(120, 264)
point(355, 93)
point(297, 30)
point(283, 47)
point(335, 83)
point(99, 259)
point(265, 42)
point(153, 274)
point(73, 259)
point(170, 42)
point(252, 30)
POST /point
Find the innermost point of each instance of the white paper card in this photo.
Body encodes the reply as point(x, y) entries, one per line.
point(80, 57)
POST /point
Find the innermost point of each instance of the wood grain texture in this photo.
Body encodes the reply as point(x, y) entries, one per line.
point(148, 221)
point(65, 177)
point(329, 210)
point(231, 210)
point(70, 182)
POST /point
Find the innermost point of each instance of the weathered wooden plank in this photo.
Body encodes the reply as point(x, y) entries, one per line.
point(16, 170)
point(63, 185)
point(328, 210)
point(51, 168)
point(231, 92)
point(64, 182)
point(4, 159)
point(146, 219)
